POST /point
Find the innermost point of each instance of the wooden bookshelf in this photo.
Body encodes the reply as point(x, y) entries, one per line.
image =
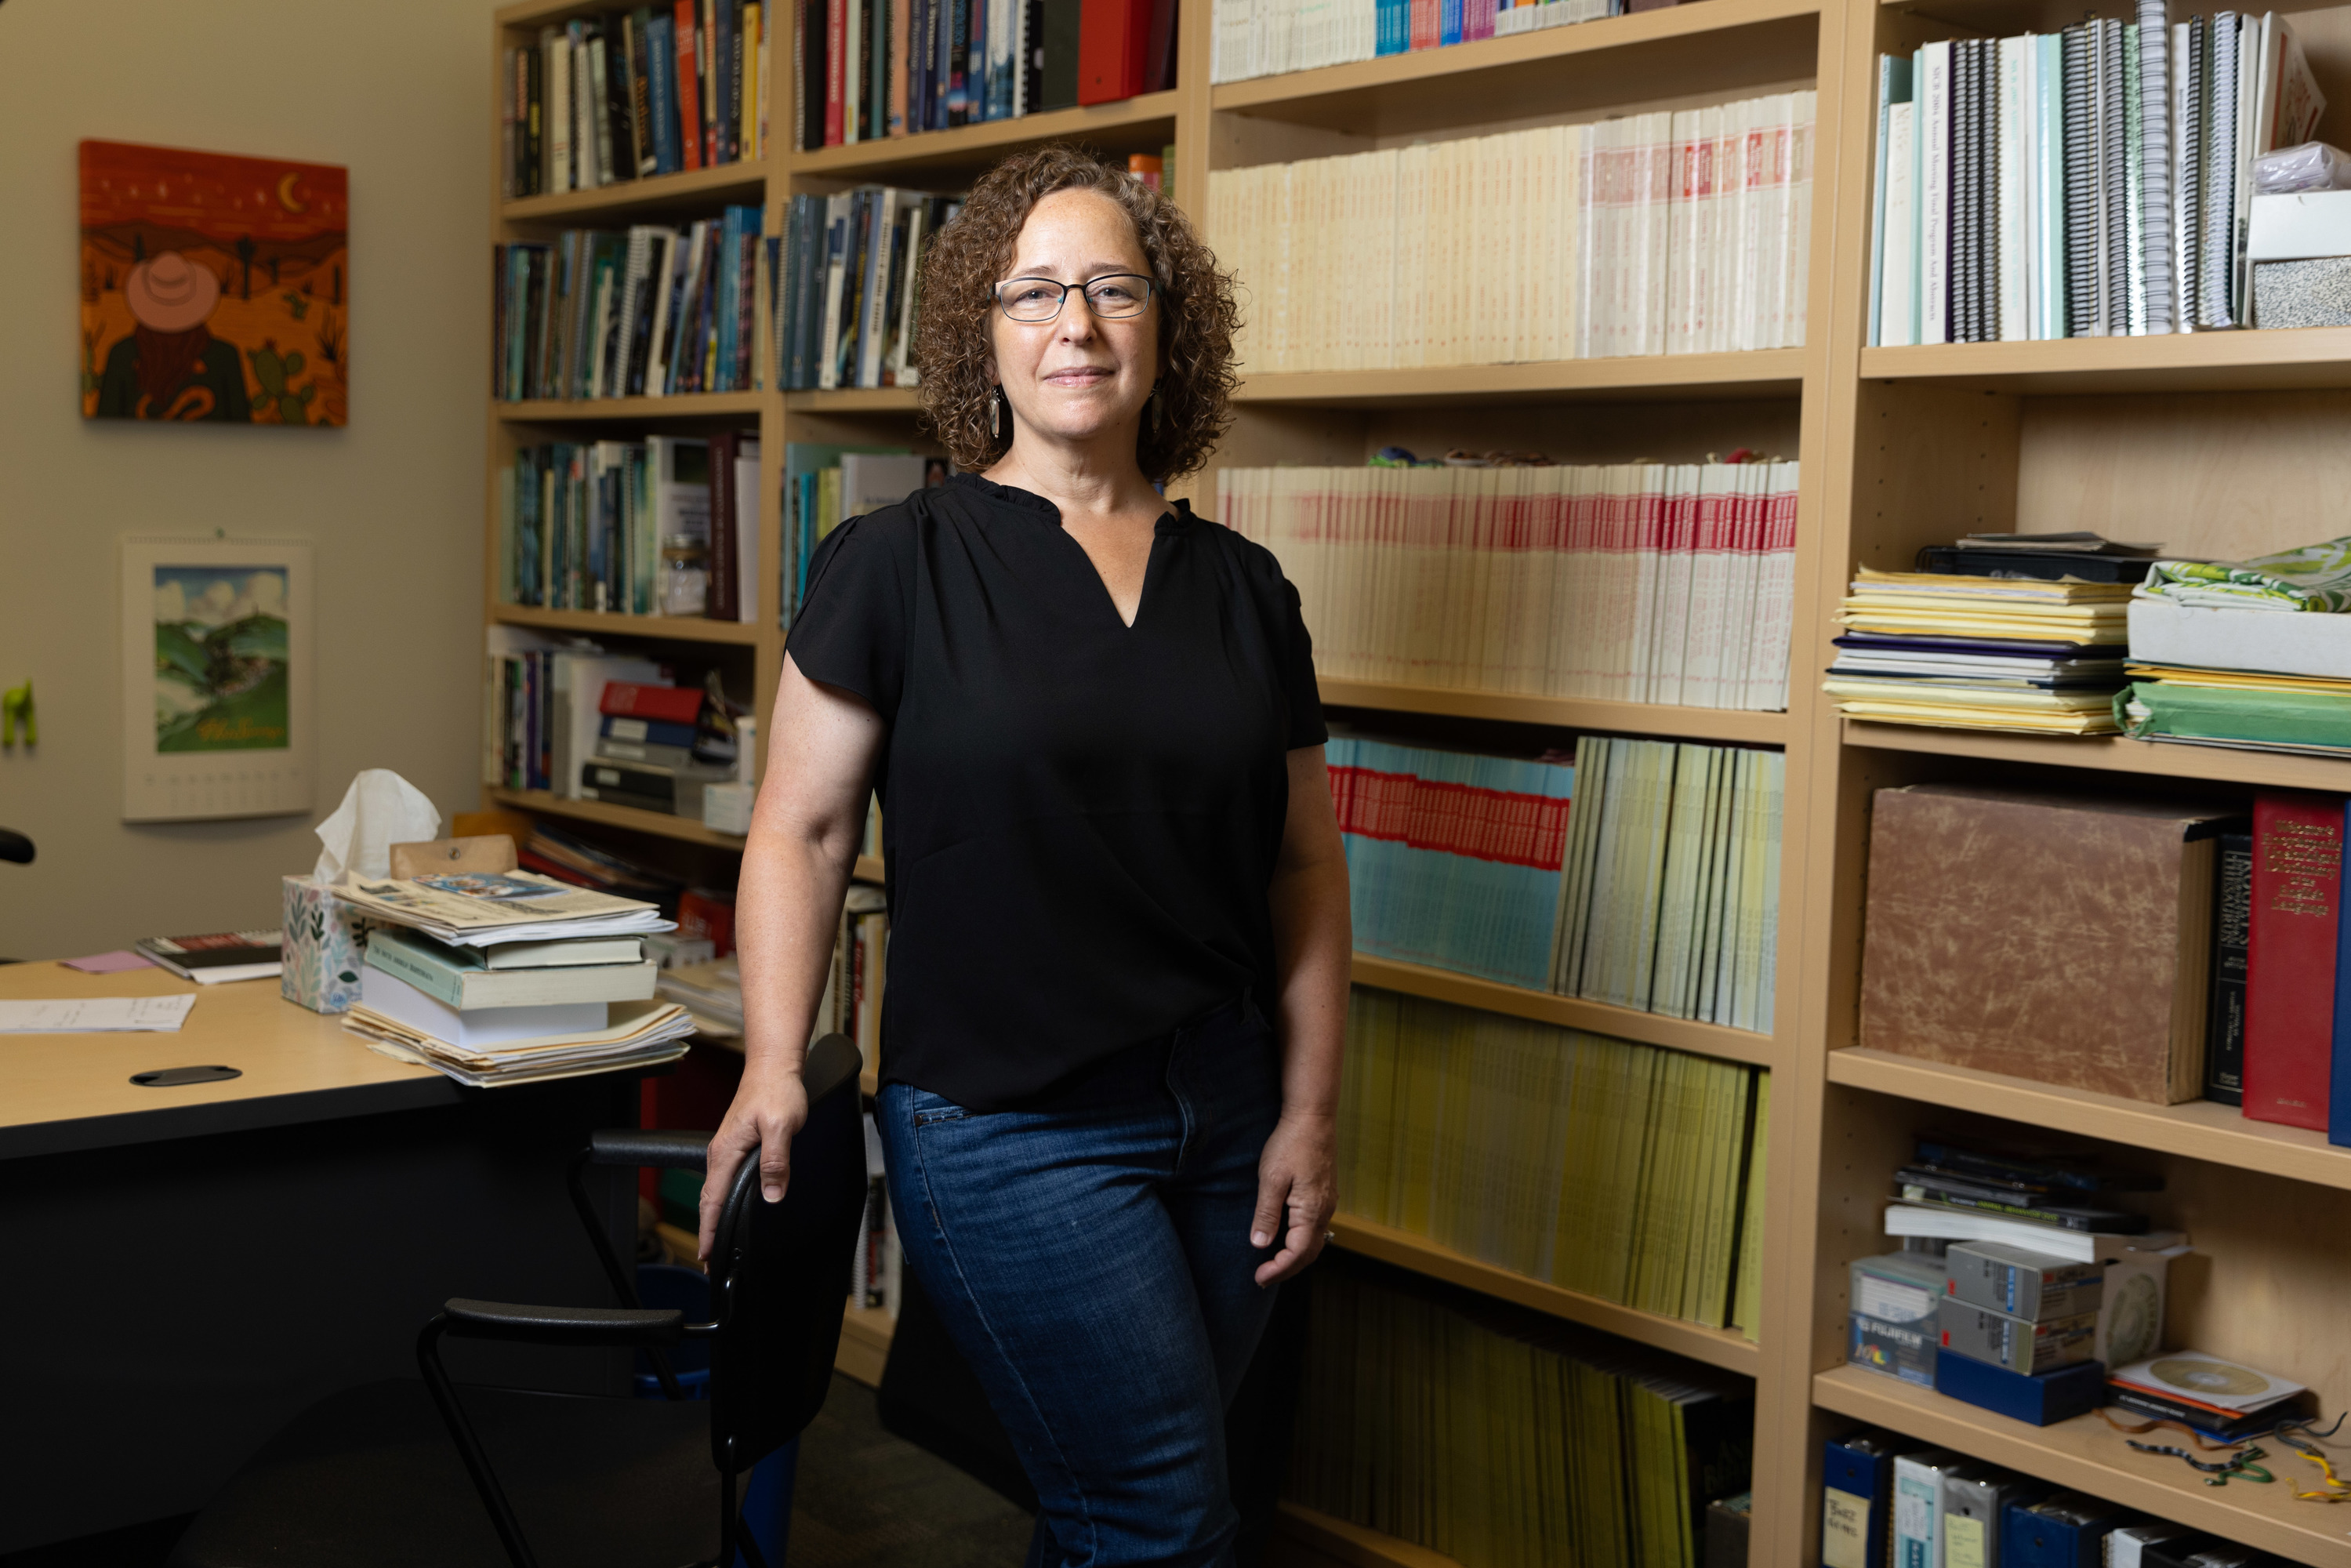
point(854, 400)
point(1306, 1538)
point(1728, 725)
point(660, 825)
point(1726, 1348)
point(864, 1344)
point(601, 624)
point(2113, 753)
point(2086, 1455)
point(2312, 358)
point(642, 201)
point(732, 406)
point(1765, 372)
point(1567, 1013)
point(944, 159)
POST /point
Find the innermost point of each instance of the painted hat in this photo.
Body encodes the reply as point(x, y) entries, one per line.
point(169, 293)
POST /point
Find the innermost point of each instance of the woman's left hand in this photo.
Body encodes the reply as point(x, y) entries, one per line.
point(1296, 1194)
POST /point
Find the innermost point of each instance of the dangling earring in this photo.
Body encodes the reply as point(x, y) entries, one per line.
point(1154, 412)
point(996, 414)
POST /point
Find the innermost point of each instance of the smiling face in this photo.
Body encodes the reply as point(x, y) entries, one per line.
point(1077, 379)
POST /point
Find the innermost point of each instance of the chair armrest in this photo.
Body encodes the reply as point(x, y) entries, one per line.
point(563, 1325)
point(657, 1146)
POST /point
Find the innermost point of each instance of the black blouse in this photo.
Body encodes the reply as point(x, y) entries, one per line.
point(1081, 818)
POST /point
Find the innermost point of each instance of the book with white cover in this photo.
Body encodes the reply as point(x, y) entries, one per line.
point(2164, 632)
point(386, 993)
point(1971, 1225)
point(1898, 307)
point(2009, 103)
point(1934, 193)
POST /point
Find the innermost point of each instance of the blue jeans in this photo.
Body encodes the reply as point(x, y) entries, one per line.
point(1092, 1261)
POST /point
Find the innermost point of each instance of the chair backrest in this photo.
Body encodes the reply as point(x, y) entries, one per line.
point(780, 1271)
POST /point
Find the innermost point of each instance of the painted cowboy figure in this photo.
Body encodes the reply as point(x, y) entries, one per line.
point(171, 367)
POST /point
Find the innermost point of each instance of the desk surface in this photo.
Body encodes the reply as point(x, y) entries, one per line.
point(64, 1092)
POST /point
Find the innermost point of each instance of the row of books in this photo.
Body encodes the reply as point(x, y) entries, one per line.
point(667, 525)
point(2225, 991)
point(851, 294)
point(652, 312)
point(873, 69)
point(1888, 1498)
point(1502, 1439)
point(584, 723)
point(1270, 37)
point(1646, 875)
point(2089, 184)
point(631, 94)
point(1676, 233)
point(1635, 581)
point(1622, 1171)
point(1669, 896)
point(825, 484)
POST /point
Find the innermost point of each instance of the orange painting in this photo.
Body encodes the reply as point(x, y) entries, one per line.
point(214, 288)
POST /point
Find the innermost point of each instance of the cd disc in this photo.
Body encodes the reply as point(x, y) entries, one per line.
point(2209, 1378)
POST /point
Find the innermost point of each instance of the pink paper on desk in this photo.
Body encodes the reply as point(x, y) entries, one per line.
point(112, 963)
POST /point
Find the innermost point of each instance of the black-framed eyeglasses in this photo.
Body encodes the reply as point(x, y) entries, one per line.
point(1112, 297)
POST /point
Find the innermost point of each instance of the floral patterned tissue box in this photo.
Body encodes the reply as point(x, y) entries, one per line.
point(325, 946)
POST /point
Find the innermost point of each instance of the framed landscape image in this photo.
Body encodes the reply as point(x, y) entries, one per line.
point(216, 678)
point(214, 288)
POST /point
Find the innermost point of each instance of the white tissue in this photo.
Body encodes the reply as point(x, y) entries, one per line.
point(380, 809)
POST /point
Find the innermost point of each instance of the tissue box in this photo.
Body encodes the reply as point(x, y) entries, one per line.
point(326, 948)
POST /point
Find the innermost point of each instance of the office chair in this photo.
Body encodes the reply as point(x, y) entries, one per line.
point(397, 1473)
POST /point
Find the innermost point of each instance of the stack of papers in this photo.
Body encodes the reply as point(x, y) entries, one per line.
point(480, 910)
point(642, 1034)
point(95, 1015)
point(1981, 652)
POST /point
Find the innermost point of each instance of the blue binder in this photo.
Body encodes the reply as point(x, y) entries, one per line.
point(1857, 1499)
point(2068, 1530)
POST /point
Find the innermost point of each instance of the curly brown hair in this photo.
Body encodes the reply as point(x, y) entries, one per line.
point(1198, 315)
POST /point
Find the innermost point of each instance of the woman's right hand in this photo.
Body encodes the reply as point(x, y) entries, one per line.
point(770, 1109)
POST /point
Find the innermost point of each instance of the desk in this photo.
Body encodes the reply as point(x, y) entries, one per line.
point(188, 1268)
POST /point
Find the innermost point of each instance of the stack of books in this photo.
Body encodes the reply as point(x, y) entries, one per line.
point(1269, 37)
point(852, 263)
point(826, 483)
point(651, 312)
point(666, 526)
point(632, 94)
point(2253, 655)
point(2089, 184)
point(1682, 232)
point(1981, 653)
point(509, 978)
point(216, 958)
point(1633, 582)
point(651, 752)
point(1496, 1436)
point(1519, 1144)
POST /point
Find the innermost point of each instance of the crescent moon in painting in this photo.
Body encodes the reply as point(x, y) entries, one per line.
point(286, 194)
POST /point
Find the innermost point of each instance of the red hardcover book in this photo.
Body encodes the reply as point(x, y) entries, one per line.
point(836, 57)
point(671, 704)
point(1424, 22)
point(1114, 42)
point(2290, 977)
point(689, 90)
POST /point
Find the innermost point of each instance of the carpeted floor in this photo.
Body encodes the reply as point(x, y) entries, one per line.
point(867, 1500)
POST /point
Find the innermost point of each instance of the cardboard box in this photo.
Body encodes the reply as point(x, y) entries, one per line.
point(2020, 1344)
point(2021, 1283)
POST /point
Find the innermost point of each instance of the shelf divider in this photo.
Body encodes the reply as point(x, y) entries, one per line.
point(1567, 713)
point(1569, 1012)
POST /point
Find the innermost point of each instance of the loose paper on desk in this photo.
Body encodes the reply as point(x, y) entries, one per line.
point(380, 809)
point(95, 1015)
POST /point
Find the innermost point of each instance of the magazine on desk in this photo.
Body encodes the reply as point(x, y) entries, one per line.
point(478, 909)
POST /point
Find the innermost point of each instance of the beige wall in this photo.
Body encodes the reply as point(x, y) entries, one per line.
point(399, 91)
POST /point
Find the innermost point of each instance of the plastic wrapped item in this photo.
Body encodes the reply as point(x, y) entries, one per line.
point(2311, 166)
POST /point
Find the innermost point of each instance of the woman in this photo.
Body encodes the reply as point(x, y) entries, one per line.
point(1119, 937)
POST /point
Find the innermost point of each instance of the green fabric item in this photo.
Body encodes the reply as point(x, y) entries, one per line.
point(2212, 713)
point(2312, 577)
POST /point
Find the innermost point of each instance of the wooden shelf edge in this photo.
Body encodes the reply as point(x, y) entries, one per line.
point(855, 400)
point(677, 628)
point(864, 1350)
point(1569, 713)
point(654, 823)
point(687, 405)
point(1569, 1012)
point(869, 868)
point(1354, 1544)
point(2198, 1130)
point(1266, 94)
point(630, 195)
point(2086, 1455)
point(2110, 753)
point(1763, 373)
point(1725, 1348)
point(2306, 357)
point(884, 153)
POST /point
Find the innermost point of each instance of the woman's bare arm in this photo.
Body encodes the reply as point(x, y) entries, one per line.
point(1313, 948)
point(822, 745)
